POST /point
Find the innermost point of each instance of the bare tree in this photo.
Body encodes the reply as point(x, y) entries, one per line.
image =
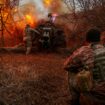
point(93, 11)
point(83, 15)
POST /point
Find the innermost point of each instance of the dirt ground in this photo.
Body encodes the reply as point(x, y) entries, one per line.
point(36, 79)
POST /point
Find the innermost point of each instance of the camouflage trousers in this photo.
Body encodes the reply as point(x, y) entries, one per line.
point(74, 91)
point(28, 46)
point(28, 43)
point(96, 95)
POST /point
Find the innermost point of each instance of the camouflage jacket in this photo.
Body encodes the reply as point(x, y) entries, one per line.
point(92, 57)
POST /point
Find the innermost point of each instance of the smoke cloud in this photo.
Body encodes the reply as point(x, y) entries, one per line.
point(43, 7)
point(31, 11)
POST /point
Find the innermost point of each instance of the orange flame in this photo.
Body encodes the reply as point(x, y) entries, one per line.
point(30, 19)
point(1, 1)
point(47, 2)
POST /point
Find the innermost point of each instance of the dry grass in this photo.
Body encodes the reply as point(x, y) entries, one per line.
point(37, 79)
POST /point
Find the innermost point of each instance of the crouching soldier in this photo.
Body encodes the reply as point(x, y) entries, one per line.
point(91, 55)
point(28, 38)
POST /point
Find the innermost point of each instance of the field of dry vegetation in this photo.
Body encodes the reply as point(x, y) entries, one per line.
point(36, 79)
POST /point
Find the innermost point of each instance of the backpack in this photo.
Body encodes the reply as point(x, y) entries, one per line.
point(84, 80)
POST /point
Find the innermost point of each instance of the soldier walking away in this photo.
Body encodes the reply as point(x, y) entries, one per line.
point(28, 38)
point(91, 55)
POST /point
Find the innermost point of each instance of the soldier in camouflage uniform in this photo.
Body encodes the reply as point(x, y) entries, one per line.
point(91, 55)
point(28, 38)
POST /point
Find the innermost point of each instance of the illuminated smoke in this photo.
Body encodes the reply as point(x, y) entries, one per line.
point(43, 7)
point(53, 5)
point(47, 3)
point(31, 12)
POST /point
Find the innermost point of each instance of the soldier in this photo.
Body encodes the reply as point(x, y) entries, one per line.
point(91, 55)
point(28, 38)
